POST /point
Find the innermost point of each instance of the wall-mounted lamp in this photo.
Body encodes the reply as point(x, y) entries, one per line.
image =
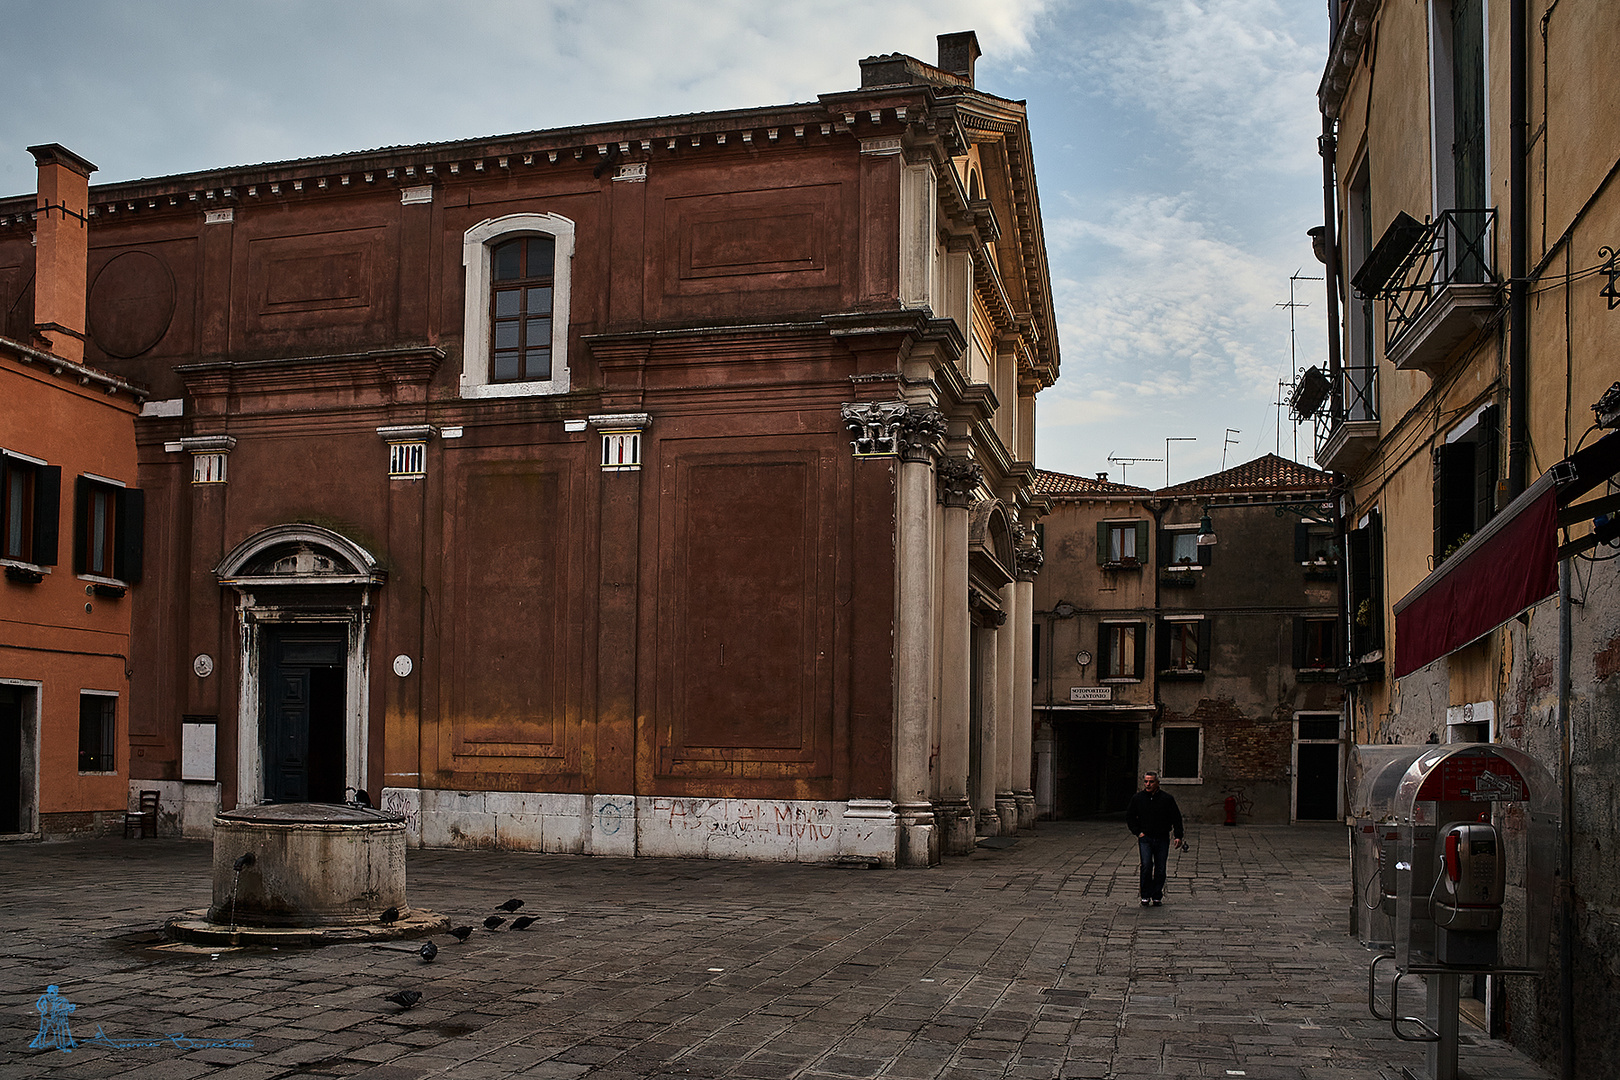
point(1206, 531)
point(1611, 270)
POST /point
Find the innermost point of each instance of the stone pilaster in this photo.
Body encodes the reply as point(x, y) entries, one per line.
point(1029, 560)
point(957, 480)
point(913, 433)
point(984, 794)
point(1006, 719)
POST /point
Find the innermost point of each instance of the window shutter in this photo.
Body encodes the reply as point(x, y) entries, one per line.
point(1102, 542)
point(1302, 542)
point(47, 513)
point(1203, 644)
point(1485, 467)
point(81, 514)
point(130, 541)
point(1375, 579)
point(1142, 542)
point(1167, 552)
point(1140, 660)
point(1299, 641)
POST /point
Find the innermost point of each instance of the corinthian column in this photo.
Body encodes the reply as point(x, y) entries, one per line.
point(1029, 564)
point(953, 812)
point(921, 430)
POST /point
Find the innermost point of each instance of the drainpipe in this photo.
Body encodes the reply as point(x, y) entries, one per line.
point(1327, 146)
point(1566, 876)
point(1518, 250)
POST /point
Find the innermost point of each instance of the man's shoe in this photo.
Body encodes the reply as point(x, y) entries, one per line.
point(1158, 903)
point(1145, 902)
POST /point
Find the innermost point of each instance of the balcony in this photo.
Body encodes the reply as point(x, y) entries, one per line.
point(1438, 282)
point(1347, 423)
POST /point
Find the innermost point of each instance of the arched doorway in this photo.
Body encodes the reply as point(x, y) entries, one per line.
point(304, 601)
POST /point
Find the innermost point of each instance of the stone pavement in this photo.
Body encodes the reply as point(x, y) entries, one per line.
point(1033, 961)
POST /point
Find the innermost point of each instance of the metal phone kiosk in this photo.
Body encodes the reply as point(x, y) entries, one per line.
point(1472, 877)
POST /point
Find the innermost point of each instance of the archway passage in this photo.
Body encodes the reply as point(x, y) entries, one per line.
point(305, 707)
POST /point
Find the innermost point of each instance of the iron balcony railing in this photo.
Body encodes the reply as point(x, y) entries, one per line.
point(1414, 261)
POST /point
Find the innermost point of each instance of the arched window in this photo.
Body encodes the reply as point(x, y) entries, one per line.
point(516, 330)
point(973, 185)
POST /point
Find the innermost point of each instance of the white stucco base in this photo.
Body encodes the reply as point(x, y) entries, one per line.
point(769, 830)
point(186, 808)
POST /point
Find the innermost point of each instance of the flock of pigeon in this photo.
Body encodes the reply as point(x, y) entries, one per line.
point(407, 999)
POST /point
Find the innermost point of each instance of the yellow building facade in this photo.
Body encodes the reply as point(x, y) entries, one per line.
point(1471, 151)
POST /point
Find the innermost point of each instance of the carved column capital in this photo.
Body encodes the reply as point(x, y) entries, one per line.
point(921, 432)
point(875, 425)
point(957, 478)
point(1030, 560)
point(893, 427)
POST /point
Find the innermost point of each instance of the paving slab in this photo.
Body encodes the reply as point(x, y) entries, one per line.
point(1028, 961)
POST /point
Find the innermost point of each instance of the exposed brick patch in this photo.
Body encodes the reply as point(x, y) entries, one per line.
point(1607, 660)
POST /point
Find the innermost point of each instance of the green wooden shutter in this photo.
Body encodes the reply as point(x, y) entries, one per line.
point(1102, 542)
point(129, 542)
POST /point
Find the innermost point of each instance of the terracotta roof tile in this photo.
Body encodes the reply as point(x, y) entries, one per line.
point(1056, 483)
point(1267, 473)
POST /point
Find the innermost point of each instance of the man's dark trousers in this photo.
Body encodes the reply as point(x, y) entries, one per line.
point(1155, 853)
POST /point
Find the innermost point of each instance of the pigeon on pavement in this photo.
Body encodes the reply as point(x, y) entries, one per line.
point(510, 905)
point(405, 999)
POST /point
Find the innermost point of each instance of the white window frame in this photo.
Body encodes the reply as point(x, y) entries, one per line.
point(1174, 531)
point(1163, 733)
point(477, 248)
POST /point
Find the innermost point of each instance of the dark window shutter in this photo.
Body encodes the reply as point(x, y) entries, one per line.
point(1102, 542)
point(1166, 551)
point(47, 513)
point(1299, 641)
point(1140, 660)
point(81, 514)
point(1142, 542)
point(130, 541)
point(1203, 645)
point(1302, 542)
point(1485, 467)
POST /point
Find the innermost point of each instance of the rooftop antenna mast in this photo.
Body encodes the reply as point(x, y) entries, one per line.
point(1124, 461)
point(1167, 442)
point(1293, 357)
point(1231, 431)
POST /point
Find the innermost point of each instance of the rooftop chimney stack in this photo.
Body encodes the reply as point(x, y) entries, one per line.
point(957, 52)
point(61, 249)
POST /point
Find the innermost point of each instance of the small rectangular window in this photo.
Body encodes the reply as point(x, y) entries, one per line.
point(1122, 543)
point(108, 529)
point(97, 719)
point(29, 506)
point(1316, 643)
point(1120, 646)
point(1182, 753)
point(1184, 548)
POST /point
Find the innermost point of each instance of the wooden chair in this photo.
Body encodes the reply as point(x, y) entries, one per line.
point(146, 818)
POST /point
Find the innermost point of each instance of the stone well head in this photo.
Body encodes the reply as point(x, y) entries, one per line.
point(313, 864)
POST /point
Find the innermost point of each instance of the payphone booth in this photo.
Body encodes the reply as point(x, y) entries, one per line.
point(1467, 856)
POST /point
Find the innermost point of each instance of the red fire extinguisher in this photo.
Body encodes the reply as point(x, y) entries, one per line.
point(1231, 809)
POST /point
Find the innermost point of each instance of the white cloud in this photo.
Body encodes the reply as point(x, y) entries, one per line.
point(1223, 77)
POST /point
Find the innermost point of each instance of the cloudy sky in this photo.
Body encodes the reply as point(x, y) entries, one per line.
point(1174, 146)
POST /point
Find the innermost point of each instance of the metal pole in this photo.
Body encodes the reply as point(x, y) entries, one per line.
point(1566, 876)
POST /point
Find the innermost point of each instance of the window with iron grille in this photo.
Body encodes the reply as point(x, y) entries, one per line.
point(98, 715)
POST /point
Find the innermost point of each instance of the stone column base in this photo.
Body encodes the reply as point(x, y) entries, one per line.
point(954, 820)
point(1007, 811)
point(988, 822)
point(918, 840)
point(1026, 809)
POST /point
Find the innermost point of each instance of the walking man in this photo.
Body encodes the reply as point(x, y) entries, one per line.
point(1152, 817)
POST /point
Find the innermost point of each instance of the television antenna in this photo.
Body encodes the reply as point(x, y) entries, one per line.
point(1231, 431)
point(1124, 461)
point(1283, 386)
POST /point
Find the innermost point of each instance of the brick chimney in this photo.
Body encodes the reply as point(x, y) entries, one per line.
point(957, 52)
point(61, 249)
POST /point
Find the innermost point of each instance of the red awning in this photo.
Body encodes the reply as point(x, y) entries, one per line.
point(1506, 567)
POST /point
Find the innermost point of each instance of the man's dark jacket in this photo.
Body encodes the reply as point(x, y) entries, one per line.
point(1154, 813)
